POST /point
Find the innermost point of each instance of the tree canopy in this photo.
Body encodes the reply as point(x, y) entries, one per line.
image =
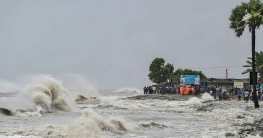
point(189, 72)
point(160, 72)
point(246, 15)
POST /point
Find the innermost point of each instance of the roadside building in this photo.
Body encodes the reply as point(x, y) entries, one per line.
point(221, 83)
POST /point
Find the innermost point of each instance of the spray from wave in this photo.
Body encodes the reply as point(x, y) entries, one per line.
point(80, 87)
point(50, 94)
point(196, 102)
point(46, 94)
point(206, 97)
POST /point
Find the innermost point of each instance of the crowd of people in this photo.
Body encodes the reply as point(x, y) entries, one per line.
point(229, 94)
point(159, 90)
point(197, 90)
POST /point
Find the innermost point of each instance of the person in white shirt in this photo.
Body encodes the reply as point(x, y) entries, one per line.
point(154, 90)
point(246, 95)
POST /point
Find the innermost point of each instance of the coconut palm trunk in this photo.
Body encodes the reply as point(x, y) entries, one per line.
point(253, 68)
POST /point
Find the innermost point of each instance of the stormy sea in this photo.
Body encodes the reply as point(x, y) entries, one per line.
point(46, 107)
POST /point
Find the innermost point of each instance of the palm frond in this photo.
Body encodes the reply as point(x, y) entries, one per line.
point(247, 14)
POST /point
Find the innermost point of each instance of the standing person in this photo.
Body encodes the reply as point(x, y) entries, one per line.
point(224, 95)
point(185, 90)
point(166, 90)
point(239, 94)
point(214, 95)
point(236, 90)
point(148, 90)
point(214, 92)
point(246, 95)
point(172, 90)
point(163, 90)
point(261, 97)
point(145, 90)
point(193, 90)
point(151, 90)
point(220, 95)
point(231, 91)
point(197, 90)
point(154, 90)
point(210, 91)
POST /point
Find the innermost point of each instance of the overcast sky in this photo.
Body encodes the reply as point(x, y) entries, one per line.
point(112, 42)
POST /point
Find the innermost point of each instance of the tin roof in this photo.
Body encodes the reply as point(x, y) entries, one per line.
point(227, 80)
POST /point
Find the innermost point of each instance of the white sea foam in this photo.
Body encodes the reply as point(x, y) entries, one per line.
point(194, 102)
point(206, 97)
point(129, 90)
point(106, 123)
point(123, 104)
point(90, 124)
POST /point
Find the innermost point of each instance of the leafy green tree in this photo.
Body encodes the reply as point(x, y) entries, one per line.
point(189, 72)
point(160, 72)
point(248, 15)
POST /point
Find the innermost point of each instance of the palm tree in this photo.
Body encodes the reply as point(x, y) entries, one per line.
point(248, 15)
point(258, 65)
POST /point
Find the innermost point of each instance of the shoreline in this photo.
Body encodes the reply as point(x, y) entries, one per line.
point(169, 97)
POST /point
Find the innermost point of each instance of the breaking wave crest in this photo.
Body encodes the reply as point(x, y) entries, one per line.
point(50, 94)
point(104, 123)
point(46, 94)
point(89, 125)
point(206, 97)
point(196, 102)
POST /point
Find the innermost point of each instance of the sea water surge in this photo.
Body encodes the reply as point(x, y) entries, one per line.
point(47, 108)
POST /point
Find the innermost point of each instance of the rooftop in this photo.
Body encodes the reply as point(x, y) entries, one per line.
point(226, 80)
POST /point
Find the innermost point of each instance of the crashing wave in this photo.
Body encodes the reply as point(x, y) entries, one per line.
point(206, 97)
point(194, 102)
point(46, 94)
point(50, 94)
point(89, 125)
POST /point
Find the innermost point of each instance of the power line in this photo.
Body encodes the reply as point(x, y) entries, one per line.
point(218, 67)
